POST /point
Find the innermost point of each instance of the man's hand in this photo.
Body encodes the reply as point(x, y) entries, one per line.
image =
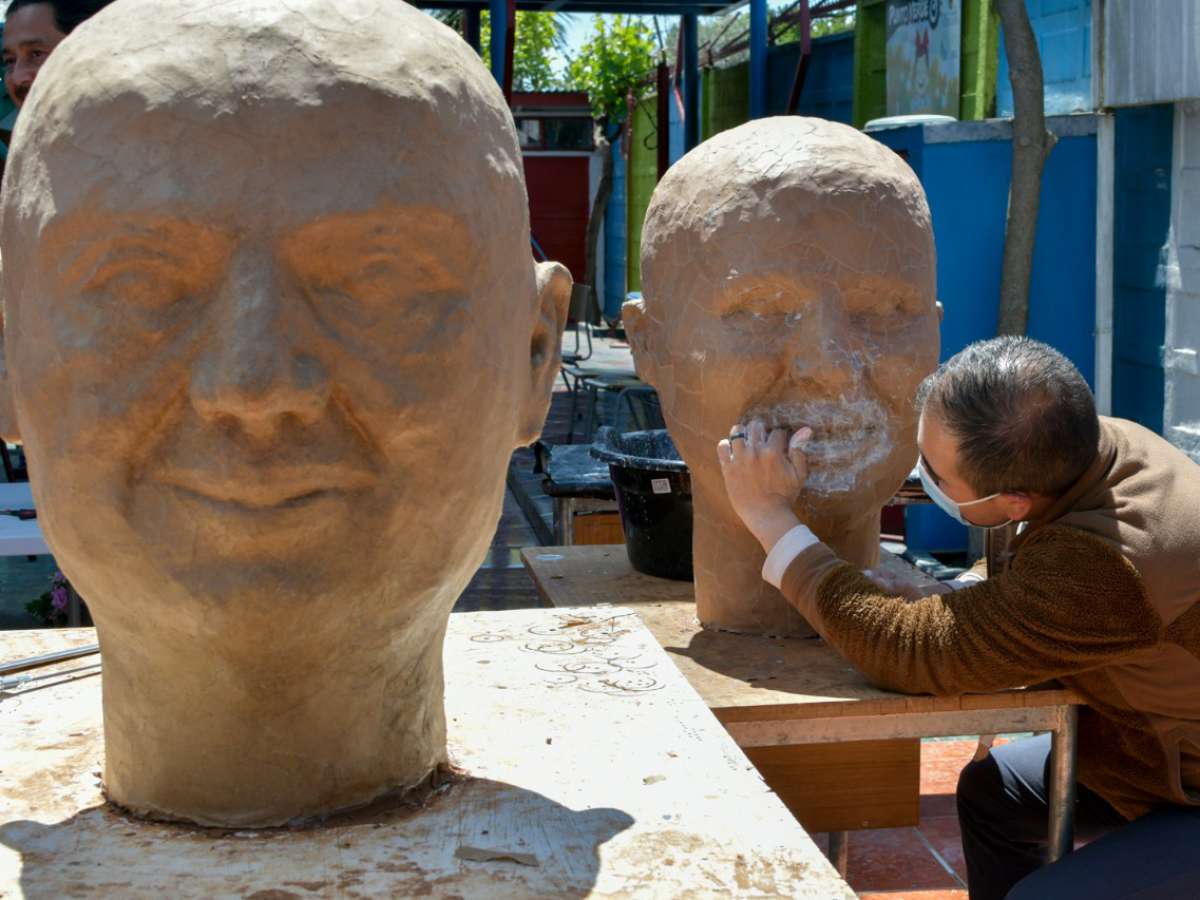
point(764, 475)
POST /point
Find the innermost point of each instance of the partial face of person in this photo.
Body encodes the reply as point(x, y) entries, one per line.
point(284, 355)
point(939, 455)
point(822, 314)
point(30, 34)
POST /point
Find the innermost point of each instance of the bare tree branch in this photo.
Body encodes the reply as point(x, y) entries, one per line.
point(1031, 144)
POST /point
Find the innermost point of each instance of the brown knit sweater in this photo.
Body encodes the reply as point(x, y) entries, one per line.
point(1102, 594)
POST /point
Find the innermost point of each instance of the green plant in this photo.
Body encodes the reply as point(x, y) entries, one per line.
point(539, 36)
point(615, 61)
point(51, 607)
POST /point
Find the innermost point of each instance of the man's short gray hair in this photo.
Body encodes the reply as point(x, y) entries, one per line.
point(1022, 414)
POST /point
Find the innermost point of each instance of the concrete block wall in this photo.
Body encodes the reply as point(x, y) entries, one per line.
point(1181, 273)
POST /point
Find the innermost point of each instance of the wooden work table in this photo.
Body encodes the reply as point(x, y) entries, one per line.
point(591, 769)
point(774, 696)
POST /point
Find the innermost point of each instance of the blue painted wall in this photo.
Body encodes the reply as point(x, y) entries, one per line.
point(614, 239)
point(675, 119)
point(828, 85)
point(1142, 212)
point(967, 186)
point(1064, 34)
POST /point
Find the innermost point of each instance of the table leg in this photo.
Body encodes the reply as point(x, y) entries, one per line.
point(564, 521)
point(1063, 742)
point(574, 407)
point(839, 851)
point(589, 428)
point(74, 609)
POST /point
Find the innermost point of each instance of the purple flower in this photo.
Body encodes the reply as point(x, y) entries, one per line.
point(58, 578)
point(59, 597)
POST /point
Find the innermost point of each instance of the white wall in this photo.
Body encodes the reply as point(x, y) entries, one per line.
point(1181, 270)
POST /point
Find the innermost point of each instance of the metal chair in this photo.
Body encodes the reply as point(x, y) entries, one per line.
point(583, 314)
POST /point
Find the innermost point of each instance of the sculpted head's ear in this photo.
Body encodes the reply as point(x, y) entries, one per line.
point(639, 328)
point(545, 347)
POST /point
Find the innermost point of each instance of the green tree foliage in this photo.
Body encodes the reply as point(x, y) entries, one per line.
point(619, 57)
point(539, 36)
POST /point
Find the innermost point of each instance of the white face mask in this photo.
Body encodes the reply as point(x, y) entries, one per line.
point(948, 506)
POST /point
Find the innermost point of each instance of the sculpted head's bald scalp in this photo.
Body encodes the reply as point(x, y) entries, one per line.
point(744, 170)
point(787, 274)
point(771, 174)
point(273, 84)
point(262, 261)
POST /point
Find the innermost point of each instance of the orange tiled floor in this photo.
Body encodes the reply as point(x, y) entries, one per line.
point(925, 862)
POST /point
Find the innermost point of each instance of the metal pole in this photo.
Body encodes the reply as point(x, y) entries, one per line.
point(802, 64)
point(691, 81)
point(510, 41)
point(758, 58)
point(839, 851)
point(47, 659)
point(663, 113)
point(471, 29)
point(1062, 785)
point(498, 20)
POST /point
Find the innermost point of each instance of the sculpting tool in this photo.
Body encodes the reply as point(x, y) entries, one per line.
point(47, 659)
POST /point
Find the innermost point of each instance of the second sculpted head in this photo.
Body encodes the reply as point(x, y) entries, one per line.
point(788, 274)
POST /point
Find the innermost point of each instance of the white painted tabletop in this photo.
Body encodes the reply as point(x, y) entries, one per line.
point(592, 769)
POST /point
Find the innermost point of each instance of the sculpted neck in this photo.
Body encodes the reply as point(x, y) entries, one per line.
point(241, 730)
point(730, 592)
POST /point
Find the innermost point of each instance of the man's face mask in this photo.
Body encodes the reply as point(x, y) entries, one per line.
point(948, 506)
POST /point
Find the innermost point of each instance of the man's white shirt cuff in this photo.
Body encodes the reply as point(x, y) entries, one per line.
point(786, 549)
point(965, 580)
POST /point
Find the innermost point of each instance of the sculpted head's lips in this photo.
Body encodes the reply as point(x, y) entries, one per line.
point(267, 487)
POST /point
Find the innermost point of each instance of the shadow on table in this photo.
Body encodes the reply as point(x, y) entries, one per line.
point(100, 851)
point(802, 666)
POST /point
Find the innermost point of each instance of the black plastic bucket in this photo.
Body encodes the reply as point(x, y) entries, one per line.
point(654, 493)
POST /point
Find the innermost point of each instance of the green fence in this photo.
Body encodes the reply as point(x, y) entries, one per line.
point(643, 175)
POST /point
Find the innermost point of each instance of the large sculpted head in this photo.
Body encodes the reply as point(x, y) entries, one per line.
point(788, 272)
point(272, 330)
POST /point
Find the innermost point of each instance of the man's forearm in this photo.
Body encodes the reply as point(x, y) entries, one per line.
point(771, 524)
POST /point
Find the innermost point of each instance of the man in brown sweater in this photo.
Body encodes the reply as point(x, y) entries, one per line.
point(1102, 594)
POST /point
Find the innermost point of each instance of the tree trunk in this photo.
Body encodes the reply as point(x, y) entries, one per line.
point(596, 216)
point(1031, 144)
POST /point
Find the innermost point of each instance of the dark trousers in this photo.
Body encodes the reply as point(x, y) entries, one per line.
point(1003, 811)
